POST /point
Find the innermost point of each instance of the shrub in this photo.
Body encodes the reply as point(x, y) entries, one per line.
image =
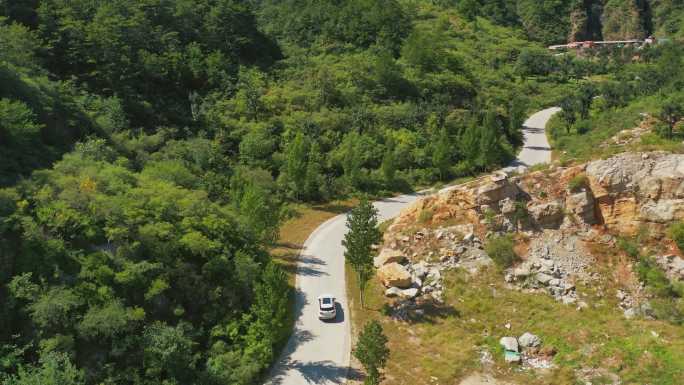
point(654, 278)
point(583, 126)
point(676, 232)
point(629, 246)
point(500, 249)
point(577, 183)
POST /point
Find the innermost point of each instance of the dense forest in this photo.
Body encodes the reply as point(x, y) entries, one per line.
point(149, 150)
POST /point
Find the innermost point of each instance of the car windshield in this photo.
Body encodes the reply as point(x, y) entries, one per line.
point(326, 302)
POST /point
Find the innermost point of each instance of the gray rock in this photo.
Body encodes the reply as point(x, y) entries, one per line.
point(547, 215)
point(409, 293)
point(509, 343)
point(521, 271)
point(507, 206)
point(528, 340)
point(543, 278)
point(393, 292)
point(420, 270)
point(630, 313)
point(555, 282)
point(547, 266)
point(583, 206)
point(496, 189)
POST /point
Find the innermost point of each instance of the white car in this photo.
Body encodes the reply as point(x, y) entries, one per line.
point(326, 307)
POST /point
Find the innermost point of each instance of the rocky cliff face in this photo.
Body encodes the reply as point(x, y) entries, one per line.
point(626, 19)
point(610, 20)
point(559, 214)
point(638, 189)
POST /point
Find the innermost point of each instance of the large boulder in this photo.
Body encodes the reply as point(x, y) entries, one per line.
point(582, 205)
point(394, 275)
point(388, 255)
point(496, 189)
point(547, 215)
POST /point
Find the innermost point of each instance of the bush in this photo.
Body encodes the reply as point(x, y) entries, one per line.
point(500, 249)
point(676, 232)
point(577, 183)
point(582, 126)
point(654, 278)
point(629, 246)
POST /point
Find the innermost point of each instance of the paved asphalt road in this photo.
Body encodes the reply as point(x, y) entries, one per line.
point(318, 352)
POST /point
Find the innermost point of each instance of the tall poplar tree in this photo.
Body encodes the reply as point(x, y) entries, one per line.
point(362, 223)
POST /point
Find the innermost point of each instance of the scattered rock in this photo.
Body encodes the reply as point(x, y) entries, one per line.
point(543, 278)
point(509, 343)
point(393, 292)
point(672, 265)
point(529, 340)
point(409, 293)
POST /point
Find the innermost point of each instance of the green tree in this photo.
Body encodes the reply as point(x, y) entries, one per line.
point(362, 234)
point(671, 113)
point(372, 351)
point(296, 163)
point(442, 153)
point(517, 110)
point(389, 165)
point(54, 369)
point(313, 180)
point(491, 152)
point(470, 145)
point(534, 62)
point(168, 353)
point(568, 112)
point(352, 159)
point(585, 98)
point(260, 211)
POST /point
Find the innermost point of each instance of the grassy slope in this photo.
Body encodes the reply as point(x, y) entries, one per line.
point(446, 344)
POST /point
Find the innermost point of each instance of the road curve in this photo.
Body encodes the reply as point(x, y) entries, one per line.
point(319, 352)
point(536, 148)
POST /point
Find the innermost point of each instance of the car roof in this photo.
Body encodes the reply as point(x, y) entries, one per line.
point(326, 296)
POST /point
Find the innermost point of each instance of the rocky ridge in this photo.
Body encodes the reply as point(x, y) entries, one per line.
point(557, 212)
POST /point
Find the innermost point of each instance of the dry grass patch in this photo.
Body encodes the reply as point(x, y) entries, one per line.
point(295, 231)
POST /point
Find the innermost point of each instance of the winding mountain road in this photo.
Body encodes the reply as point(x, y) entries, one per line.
point(319, 352)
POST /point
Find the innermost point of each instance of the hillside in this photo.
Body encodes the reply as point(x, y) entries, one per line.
point(150, 152)
point(582, 262)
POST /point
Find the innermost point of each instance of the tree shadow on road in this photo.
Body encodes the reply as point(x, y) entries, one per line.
point(310, 266)
point(325, 372)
